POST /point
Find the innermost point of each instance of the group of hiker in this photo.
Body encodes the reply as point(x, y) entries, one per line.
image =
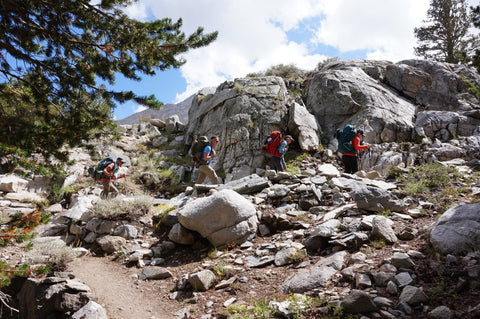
point(350, 142)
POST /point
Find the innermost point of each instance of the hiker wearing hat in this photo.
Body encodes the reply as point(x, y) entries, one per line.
point(278, 162)
point(350, 160)
point(109, 178)
point(204, 169)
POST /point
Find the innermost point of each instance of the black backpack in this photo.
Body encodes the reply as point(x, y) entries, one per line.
point(197, 149)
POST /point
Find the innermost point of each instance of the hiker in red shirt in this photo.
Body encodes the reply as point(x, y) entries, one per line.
point(109, 178)
point(350, 160)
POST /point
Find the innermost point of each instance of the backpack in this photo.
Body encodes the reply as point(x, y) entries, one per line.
point(197, 149)
point(96, 173)
point(271, 143)
point(344, 137)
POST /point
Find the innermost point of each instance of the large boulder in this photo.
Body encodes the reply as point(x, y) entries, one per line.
point(304, 125)
point(342, 92)
point(376, 199)
point(446, 125)
point(224, 218)
point(317, 276)
point(383, 98)
point(457, 231)
point(242, 113)
point(434, 85)
point(51, 297)
point(12, 183)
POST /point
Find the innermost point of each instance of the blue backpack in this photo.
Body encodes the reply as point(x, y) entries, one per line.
point(344, 137)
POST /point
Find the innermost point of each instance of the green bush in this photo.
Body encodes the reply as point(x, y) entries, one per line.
point(427, 178)
point(58, 193)
point(385, 213)
point(434, 182)
point(260, 310)
point(59, 255)
point(115, 209)
point(299, 305)
point(284, 71)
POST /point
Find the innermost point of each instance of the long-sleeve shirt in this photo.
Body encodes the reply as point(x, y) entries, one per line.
point(356, 146)
point(283, 147)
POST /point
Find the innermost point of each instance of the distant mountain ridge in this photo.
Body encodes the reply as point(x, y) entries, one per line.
point(180, 109)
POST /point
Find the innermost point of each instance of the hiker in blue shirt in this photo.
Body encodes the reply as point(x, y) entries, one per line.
point(204, 169)
point(278, 162)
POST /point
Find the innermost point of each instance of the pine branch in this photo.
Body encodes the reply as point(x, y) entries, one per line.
point(4, 298)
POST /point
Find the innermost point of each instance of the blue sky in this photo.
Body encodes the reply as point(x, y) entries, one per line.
point(257, 34)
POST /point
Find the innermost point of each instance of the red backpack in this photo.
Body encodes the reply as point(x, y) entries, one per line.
point(272, 142)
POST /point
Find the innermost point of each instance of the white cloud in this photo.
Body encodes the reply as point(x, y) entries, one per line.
point(384, 27)
point(140, 108)
point(137, 11)
point(254, 35)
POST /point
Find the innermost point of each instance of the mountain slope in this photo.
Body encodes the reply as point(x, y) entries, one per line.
point(180, 109)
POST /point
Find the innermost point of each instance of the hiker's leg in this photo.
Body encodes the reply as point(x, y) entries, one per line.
point(350, 163)
point(113, 190)
point(201, 174)
point(355, 165)
point(346, 163)
point(282, 162)
point(277, 164)
point(106, 189)
point(211, 174)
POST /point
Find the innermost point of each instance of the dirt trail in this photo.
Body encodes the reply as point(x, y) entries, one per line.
point(119, 293)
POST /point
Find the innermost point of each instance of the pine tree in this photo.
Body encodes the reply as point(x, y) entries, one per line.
point(444, 37)
point(475, 45)
point(53, 55)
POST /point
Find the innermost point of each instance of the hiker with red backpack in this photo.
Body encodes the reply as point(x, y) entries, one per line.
point(109, 178)
point(204, 168)
point(277, 147)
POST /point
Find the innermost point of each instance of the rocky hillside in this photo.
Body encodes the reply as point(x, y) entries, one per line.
point(396, 240)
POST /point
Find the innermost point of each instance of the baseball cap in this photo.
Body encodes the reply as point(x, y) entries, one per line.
point(361, 132)
point(290, 137)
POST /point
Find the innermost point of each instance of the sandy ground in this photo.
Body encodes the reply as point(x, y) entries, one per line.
point(123, 296)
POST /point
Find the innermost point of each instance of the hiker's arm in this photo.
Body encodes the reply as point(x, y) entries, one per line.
point(208, 154)
point(356, 144)
point(108, 170)
point(205, 156)
point(283, 147)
